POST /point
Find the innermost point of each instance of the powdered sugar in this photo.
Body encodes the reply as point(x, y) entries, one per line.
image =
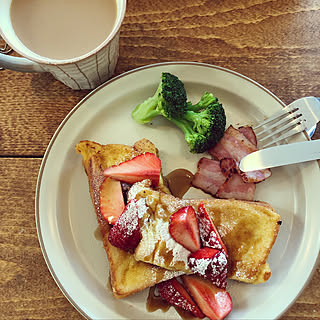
point(217, 264)
point(129, 221)
point(175, 297)
point(208, 233)
point(168, 274)
point(137, 187)
point(214, 269)
point(125, 234)
point(142, 208)
point(212, 241)
point(199, 266)
point(179, 253)
point(158, 247)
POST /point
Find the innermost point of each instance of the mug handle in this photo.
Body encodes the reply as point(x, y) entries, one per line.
point(19, 64)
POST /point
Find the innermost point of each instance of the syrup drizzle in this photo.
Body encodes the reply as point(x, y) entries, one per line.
point(179, 182)
point(97, 234)
point(155, 302)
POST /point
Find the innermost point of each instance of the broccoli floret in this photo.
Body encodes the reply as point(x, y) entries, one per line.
point(203, 129)
point(170, 101)
point(196, 141)
point(203, 123)
point(207, 99)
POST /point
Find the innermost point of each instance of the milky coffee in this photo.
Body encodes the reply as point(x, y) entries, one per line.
point(63, 29)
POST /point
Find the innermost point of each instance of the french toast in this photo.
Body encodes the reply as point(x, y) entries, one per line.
point(248, 229)
point(127, 275)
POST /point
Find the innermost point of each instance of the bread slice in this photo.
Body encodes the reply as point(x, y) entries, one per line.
point(248, 229)
point(127, 275)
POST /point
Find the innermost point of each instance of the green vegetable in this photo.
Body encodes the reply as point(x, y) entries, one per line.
point(206, 99)
point(203, 123)
point(203, 129)
point(170, 101)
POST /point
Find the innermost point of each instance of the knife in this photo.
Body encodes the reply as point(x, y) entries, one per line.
point(281, 155)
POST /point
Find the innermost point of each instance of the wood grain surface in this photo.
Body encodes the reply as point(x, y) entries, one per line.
point(275, 43)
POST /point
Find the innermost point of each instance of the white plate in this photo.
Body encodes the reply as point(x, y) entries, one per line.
point(66, 222)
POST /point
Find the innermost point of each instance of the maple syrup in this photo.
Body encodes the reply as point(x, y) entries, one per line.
point(97, 234)
point(179, 182)
point(155, 302)
point(109, 285)
point(185, 315)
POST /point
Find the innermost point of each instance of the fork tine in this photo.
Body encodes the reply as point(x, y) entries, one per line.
point(284, 128)
point(289, 134)
point(283, 112)
point(302, 114)
point(289, 118)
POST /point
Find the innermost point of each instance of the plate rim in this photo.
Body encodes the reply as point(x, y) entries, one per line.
point(66, 119)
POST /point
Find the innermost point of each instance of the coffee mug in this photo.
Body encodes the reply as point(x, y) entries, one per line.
point(87, 71)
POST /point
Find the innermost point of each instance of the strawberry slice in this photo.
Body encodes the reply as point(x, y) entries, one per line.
point(215, 303)
point(111, 200)
point(211, 264)
point(125, 234)
point(184, 229)
point(209, 234)
point(141, 167)
point(174, 292)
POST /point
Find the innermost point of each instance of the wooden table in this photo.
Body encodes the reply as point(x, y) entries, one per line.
point(273, 42)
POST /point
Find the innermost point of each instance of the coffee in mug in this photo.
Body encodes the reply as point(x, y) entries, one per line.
point(63, 29)
point(77, 41)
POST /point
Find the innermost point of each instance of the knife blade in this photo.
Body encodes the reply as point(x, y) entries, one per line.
point(281, 155)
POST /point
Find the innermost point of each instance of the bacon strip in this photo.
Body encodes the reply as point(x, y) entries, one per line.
point(236, 188)
point(220, 179)
point(223, 178)
point(228, 167)
point(248, 132)
point(209, 176)
point(235, 145)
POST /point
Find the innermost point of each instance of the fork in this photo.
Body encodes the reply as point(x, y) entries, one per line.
point(302, 114)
